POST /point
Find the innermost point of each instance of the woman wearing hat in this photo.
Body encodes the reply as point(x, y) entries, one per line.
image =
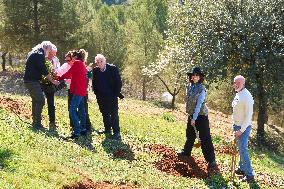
point(198, 118)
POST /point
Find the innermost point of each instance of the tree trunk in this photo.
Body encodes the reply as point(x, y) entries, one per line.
point(4, 61)
point(173, 102)
point(144, 88)
point(262, 108)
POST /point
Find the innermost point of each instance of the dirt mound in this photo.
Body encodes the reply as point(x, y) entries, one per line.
point(15, 106)
point(89, 184)
point(186, 166)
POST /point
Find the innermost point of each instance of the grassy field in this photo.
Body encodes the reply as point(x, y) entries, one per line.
point(45, 160)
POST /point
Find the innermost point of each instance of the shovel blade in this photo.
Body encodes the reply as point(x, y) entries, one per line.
point(197, 145)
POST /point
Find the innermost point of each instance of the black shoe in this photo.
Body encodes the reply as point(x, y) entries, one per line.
point(104, 132)
point(213, 164)
point(84, 133)
point(37, 127)
point(116, 137)
point(183, 153)
point(248, 179)
point(73, 136)
point(238, 171)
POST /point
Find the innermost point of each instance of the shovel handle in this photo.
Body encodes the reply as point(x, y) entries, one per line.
point(196, 132)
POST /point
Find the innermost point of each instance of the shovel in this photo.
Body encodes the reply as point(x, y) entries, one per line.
point(198, 144)
point(234, 159)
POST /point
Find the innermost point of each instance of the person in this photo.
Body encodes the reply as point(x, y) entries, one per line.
point(35, 68)
point(198, 117)
point(89, 75)
point(107, 85)
point(242, 124)
point(48, 87)
point(78, 88)
point(69, 61)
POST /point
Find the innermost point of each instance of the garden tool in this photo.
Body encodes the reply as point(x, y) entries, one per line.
point(234, 159)
point(198, 144)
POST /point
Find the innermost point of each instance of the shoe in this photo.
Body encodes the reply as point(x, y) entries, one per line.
point(238, 171)
point(37, 127)
point(104, 132)
point(84, 133)
point(183, 153)
point(211, 165)
point(248, 179)
point(116, 137)
point(52, 126)
point(73, 136)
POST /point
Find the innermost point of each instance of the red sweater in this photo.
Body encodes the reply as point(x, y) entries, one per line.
point(78, 75)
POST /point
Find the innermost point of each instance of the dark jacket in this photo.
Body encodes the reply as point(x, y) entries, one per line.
point(113, 80)
point(35, 67)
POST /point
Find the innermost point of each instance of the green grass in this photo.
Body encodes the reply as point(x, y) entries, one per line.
point(31, 159)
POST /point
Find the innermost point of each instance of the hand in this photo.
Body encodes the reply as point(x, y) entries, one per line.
point(238, 133)
point(192, 122)
point(55, 82)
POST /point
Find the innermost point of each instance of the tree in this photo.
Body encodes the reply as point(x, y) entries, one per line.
point(144, 39)
point(178, 55)
point(32, 21)
point(246, 37)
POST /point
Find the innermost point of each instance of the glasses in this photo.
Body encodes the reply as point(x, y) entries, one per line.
point(67, 60)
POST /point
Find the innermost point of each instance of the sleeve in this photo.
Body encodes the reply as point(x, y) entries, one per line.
point(200, 100)
point(62, 69)
point(248, 111)
point(94, 80)
point(118, 82)
point(68, 74)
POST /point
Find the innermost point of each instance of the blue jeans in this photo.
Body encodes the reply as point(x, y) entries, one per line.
point(78, 114)
point(242, 142)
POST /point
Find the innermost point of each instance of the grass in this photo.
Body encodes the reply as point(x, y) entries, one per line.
point(31, 159)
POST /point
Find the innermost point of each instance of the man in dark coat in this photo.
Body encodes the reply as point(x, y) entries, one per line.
point(107, 86)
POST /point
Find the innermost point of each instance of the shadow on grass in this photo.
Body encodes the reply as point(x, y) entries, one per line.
point(216, 181)
point(5, 155)
point(85, 141)
point(271, 146)
point(118, 149)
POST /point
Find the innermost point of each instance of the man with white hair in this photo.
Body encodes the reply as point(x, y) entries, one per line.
point(242, 118)
point(34, 70)
point(49, 88)
point(107, 86)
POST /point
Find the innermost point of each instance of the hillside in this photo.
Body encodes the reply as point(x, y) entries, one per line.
point(145, 158)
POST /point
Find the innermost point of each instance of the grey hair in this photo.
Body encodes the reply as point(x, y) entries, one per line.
point(101, 58)
point(45, 45)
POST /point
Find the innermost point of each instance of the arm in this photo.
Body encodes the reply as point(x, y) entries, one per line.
point(200, 100)
point(118, 82)
point(68, 74)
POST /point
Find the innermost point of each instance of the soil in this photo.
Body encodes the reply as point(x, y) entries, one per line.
point(16, 106)
point(186, 166)
point(89, 184)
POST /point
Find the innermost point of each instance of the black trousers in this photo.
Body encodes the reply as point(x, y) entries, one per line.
point(109, 109)
point(202, 126)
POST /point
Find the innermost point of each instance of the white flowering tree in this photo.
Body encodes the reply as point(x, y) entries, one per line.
point(179, 54)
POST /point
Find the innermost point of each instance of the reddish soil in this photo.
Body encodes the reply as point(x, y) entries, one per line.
point(89, 184)
point(16, 106)
point(186, 166)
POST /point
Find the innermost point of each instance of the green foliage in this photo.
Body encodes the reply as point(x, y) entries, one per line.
point(216, 93)
point(169, 117)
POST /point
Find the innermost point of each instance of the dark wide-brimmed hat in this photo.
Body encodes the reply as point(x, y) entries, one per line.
point(195, 70)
